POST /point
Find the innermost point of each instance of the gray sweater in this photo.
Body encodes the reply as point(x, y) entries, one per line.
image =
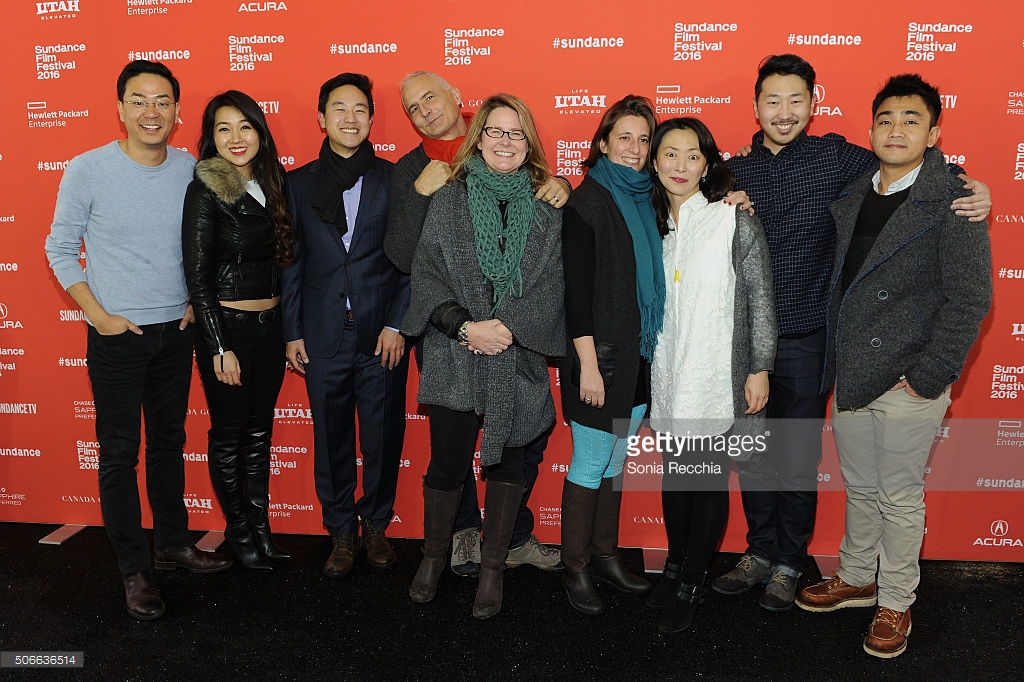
point(130, 218)
point(512, 390)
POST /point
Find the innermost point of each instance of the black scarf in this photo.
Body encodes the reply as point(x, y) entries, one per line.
point(338, 174)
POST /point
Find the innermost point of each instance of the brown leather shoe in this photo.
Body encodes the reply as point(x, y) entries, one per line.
point(193, 559)
point(378, 551)
point(835, 593)
point(143, 599)
point(343, 555)
point(887, 636)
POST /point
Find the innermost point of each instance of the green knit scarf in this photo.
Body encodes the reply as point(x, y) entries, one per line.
point(486, 188)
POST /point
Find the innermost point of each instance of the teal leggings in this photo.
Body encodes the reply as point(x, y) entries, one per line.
point(598, 454)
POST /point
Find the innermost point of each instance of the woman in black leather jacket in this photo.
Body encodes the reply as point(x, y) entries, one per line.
point(236, 234)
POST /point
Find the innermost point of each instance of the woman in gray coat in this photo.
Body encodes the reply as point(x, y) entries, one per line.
point(709, 378)
point(487, 298)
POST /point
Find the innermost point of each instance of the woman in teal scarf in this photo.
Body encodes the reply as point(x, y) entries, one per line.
point(614, 300)
point(487, 297)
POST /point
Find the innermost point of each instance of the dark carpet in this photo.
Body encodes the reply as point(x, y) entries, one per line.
point(295, 624)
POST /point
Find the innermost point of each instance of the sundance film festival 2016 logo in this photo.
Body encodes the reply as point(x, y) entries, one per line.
point(999, 536)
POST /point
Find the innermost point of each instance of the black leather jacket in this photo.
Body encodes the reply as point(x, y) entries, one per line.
point(228, 247)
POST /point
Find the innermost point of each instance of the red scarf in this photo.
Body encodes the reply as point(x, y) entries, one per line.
point(445, 150)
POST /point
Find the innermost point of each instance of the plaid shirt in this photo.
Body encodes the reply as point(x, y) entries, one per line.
point(791, 192)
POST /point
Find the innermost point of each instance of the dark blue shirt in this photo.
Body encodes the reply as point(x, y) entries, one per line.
point(791, 192)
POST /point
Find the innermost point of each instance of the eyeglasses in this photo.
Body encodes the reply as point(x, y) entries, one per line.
point(491, 131)
point(141, 105)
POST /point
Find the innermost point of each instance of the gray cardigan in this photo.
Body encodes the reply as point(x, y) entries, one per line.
point(754, 333)
point(511, 390)
point(916, 305)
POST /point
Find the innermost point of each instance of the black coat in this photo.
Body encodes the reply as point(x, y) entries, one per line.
point(600, 300)
point(227, 245)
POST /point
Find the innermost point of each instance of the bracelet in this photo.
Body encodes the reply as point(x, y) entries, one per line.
point(463, 335)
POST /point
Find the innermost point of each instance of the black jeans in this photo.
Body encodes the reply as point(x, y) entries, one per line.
point(468, 515)
point(779, 489)
point(452, 443)
point(236, 411)
point(132, 375)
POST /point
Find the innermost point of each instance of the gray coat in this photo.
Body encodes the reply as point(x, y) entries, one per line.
point(916, 305)
point(511, 390)
point(754, 333)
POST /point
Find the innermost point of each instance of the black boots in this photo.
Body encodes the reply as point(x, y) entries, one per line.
point(224, 465)
point(501, 507)
point(665, 591)
point(605, 564)
point(257, 483)
point(439, 510)
point(590, 538)
point(579, 505)
point(678, 615)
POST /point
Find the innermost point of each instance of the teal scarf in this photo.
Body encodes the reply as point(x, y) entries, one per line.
point(486, 188)
point(632, 193)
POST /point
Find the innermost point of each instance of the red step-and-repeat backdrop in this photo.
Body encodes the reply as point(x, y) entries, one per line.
point(569, 60)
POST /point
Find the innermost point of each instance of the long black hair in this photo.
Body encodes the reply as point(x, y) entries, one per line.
point(718, 182)
point(266, 166)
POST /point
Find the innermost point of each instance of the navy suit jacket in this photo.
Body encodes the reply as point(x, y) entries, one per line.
point(315, 287)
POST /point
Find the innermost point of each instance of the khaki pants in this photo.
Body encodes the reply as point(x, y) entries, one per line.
point(883, 449)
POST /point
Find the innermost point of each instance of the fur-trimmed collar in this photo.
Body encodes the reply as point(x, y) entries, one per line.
point(222, 178)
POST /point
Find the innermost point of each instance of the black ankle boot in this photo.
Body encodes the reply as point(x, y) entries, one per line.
point(582, 594)
point(243, 546)
point(605, 563)
point(678, 615)
point(665, 591)
point(609, 569)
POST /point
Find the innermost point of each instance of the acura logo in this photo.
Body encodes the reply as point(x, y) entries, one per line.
point(999, 528)
point(819, 93)
point(3, 312)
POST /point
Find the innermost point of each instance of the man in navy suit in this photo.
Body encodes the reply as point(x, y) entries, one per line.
point(343, 302)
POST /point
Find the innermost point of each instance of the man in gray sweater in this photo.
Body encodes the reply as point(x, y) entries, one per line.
point(124, 201)
point(910, 286)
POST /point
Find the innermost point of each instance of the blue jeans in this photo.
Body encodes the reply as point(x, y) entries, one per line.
point(779, 489)
point(132, 375)
point(597, 454)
